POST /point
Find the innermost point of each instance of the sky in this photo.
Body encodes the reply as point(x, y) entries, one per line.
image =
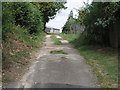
point(62, 16)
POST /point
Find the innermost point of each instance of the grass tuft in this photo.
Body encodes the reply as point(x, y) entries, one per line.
point(7, 80)
point(58, 52)
point(63, 57)
point(56, 41)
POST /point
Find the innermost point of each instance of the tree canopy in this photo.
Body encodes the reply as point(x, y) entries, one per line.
point(101, 21)
point(30, 15)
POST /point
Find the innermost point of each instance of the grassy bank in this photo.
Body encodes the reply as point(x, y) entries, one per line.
point(103, 60)
point(17, 47)
point(56, 41)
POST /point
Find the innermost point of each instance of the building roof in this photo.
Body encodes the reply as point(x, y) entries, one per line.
point(53, 28)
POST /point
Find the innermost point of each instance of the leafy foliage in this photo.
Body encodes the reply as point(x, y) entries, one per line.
point(49, 9)
point(97, 18)
point(101, 21)
point(30, 15)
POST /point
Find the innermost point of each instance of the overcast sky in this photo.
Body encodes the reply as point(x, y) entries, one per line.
point(62, 16)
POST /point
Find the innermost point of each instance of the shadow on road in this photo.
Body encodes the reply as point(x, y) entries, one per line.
point(50, 85)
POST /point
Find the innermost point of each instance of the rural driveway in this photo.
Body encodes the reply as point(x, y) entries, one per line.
point(58, 70)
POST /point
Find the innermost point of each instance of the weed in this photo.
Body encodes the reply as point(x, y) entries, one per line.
point(63, 57)
point(58, 52)
point(69, 37)
point(56, 41)
point(7, 80)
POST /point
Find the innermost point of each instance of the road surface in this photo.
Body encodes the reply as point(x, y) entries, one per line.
point(57, 70)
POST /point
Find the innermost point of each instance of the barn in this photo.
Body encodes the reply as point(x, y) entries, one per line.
point(52, 30)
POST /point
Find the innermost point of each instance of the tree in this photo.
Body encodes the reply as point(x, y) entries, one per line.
point(49, 9)
point(98, 19)
point(69, 23)
point(31, 15)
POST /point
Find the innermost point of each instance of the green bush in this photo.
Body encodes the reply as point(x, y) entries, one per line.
point(29, 16)
point(99, 18)
point(7, 19)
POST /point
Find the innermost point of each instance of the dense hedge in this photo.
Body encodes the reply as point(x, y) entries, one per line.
point(97, 18)
point(29, 16)
point(101, 22)
point(26, 15)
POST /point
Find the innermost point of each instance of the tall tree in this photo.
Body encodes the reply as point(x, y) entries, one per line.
point(49, 9)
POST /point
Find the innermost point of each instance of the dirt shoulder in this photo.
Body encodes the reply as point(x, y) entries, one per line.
point(18, 59)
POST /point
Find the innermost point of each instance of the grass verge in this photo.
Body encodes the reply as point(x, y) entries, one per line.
point(69, 37)
point(58, 52)
point(103, 61)
point(56, 41)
